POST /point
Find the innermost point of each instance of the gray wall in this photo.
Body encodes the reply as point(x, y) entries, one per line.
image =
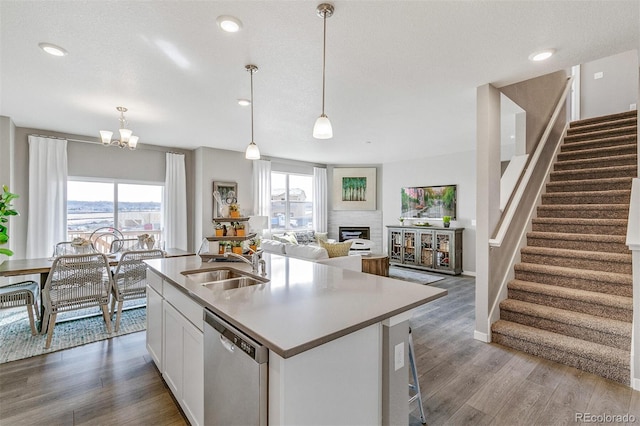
point(615, 91)
point(458, 169)
point(145, 164)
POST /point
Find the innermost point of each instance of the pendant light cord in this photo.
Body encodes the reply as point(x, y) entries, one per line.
point(251, 72)
point(324, 54)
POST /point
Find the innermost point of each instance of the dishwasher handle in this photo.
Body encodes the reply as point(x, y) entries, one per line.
point(236, 339)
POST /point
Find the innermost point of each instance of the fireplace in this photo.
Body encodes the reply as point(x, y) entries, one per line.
point(352, 232)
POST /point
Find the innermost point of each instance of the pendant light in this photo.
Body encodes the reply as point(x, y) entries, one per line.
point(322, 129)
point(252, 152)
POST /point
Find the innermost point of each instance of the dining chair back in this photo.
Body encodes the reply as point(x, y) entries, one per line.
point(76, 282)
point(130, 279)
point(102, 239)
point(69, 247)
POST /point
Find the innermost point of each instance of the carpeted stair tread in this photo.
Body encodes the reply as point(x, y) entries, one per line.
point(590, 163)
point(599, 238)
point(591, 242)
point(598, 152)
point(560, 271)
point(580, 225)
point(593, 351)
point(579, 254)
point(607, 142)
point(633, 114)
point(578, 259)
point(580, 185)
point(601, 125)
point(589, 302)
point(604, 331)
point(584, 211)
point(599, 134)
point(595, 172)
point(613, 196)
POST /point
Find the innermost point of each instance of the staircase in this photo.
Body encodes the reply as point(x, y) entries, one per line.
point(571, 299)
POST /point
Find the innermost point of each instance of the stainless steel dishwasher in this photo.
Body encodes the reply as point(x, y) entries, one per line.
point(235, 375)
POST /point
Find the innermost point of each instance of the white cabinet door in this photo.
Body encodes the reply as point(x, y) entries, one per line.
point(173, 350)
point(183, 363)
point(193, 374)
point(154, 326)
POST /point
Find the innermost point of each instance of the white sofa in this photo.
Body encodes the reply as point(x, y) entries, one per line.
point(313, 253)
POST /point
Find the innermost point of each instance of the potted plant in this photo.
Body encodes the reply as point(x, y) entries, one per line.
point(240, 232)
point(253, 244)
point(237, 247)
point(446, 221)
point(234, 210)
point(219, 229)
point(6, 210)
point(401, 219)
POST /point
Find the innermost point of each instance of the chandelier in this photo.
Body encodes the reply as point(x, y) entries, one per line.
point(127, 140)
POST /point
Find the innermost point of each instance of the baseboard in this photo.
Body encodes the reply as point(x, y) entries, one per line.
point(469, 273)
point(483, 337)
point(635, 384)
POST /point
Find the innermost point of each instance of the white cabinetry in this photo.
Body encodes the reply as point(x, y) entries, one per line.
point(175, 342)
point(154, 323)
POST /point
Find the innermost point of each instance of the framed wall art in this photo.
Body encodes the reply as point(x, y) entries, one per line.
point(228, 194)
point(354, 188)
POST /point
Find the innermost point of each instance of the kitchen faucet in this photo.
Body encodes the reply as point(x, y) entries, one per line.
point(256, 262)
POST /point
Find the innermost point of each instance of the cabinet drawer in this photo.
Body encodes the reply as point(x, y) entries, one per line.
point(184, 304)
point(154, 281)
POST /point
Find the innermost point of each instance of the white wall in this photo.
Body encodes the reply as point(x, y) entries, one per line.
point(452, 169)
point(615, 91)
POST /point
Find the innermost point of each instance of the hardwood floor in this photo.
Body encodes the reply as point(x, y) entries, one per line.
point(464, 382)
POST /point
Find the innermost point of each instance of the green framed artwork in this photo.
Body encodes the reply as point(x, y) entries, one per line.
point(354, 188)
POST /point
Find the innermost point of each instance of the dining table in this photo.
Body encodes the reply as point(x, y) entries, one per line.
point(42, 266)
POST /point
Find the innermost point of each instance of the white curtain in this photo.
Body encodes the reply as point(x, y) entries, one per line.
point(174, 208)
point(47, 220)
point(262, 188)
point(320, 199)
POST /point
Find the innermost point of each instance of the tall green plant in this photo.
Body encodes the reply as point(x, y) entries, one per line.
point(6, 210)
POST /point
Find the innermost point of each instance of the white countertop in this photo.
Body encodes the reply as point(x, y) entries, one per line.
point(304, 305)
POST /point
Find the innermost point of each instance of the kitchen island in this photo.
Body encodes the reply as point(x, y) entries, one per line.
point(337, 338)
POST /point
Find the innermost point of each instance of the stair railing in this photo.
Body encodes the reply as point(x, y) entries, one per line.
point(505, 223)
point(633, 242)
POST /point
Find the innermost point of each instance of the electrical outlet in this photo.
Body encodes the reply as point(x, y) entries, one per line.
point(632, 107)
point(399, 356)
point(598, 75)
point(473, 222)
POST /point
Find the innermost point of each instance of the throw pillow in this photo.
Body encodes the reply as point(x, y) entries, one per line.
point(321, 236)
point(304, 237)
point(306, 252)
point(286, 238)
point(336, 249)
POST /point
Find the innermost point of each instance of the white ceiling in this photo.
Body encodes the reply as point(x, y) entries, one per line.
point(401, 75)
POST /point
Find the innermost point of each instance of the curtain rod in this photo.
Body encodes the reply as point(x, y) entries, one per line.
point(142, 148)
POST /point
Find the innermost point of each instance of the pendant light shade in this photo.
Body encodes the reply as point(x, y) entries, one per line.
point(322, 129)
point(252, 152)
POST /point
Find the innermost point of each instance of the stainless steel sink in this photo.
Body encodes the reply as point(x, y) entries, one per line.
point(212, 275)
point(232, 283)
point(223, 278)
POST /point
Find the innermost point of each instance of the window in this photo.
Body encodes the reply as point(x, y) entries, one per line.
point(291, 201)
point(132, 208)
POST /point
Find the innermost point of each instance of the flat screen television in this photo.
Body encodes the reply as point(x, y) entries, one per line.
point(432, 202)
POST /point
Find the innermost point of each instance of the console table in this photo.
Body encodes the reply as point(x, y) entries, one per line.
point(430, 248)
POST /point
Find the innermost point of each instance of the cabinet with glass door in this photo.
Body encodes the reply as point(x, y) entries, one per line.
point(434, 249)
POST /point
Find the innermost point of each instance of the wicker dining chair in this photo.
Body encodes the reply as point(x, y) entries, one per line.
point(130, 279)
point(76, 282)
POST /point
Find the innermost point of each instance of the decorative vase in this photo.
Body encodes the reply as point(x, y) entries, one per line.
point(446, 225)
point(240, 232)
point(224, 211)
point(237, 250)
point(235, 213)
point(219, 232)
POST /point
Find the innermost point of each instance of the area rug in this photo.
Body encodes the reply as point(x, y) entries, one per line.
point(413, 275)
point(16, 341)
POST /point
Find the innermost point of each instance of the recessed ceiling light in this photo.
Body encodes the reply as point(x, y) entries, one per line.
point(230, 24)
point(542, 55)
point(52, 49)
point(244, 102)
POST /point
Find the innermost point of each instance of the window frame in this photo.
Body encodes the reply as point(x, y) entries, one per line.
point(287, 202)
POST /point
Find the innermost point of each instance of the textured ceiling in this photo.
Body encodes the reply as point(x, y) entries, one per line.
point(401, 75)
